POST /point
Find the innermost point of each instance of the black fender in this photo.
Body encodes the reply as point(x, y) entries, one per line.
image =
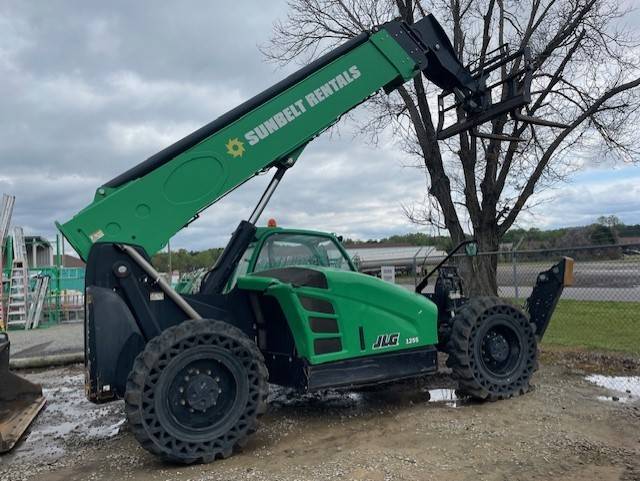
point(112, 342)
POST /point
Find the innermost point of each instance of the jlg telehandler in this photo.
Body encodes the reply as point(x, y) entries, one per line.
point(285, 305)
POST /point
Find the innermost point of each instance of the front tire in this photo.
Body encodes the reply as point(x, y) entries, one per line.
point(195, 392)
point(492, 349)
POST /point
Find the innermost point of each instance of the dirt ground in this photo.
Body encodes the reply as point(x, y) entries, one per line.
point(566, 429)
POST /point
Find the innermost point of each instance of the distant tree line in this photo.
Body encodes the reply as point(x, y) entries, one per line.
point(183, 260)
point(414, 239)
point(607, 230)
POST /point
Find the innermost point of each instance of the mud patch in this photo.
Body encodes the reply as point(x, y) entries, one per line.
point(611, 363)
point(280, 397)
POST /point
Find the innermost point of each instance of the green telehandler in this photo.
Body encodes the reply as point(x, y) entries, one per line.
point(283, 305)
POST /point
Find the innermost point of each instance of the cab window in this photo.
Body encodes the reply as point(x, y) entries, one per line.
point(285, 250)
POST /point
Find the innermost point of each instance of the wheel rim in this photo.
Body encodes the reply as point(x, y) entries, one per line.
point(201, 394)
point(501, 348)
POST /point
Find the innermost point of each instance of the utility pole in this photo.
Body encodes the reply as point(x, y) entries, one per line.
point(170, 264)
point(515, 266)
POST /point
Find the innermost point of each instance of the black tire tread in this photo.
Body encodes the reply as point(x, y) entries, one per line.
point(147, 359)
point(459, 348)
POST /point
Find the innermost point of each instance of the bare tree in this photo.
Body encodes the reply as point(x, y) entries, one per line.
point(587, 70)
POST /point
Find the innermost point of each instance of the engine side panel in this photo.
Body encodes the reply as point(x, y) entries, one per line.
point(336, 315)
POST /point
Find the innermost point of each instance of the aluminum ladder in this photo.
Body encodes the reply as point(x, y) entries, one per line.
point(19, 286)
point(34, 312)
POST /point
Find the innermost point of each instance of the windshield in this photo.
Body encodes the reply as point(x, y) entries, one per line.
point(284, 250)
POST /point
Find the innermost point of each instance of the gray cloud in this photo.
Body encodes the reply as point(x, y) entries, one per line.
point(603, 192)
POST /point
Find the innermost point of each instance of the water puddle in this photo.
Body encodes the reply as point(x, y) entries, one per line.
point(623, 388)
point(446, 397)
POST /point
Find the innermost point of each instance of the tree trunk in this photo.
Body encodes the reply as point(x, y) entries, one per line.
point(479, 272)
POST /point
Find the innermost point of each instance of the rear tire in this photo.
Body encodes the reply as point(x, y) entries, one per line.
point(195, 392)
point(492, 349)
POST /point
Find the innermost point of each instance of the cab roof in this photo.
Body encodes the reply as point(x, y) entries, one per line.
point(263, 231)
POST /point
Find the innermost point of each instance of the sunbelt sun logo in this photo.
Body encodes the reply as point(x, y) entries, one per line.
point(237, 147)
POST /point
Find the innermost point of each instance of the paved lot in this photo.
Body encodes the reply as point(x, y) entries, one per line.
point(60, 339)
point(618, 294)
point(567, 429)
point(605, 273)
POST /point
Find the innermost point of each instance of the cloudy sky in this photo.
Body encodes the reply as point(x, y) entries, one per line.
point(89, 89)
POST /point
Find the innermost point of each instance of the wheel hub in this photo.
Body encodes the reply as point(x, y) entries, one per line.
point(498, 347)
point(202, 392)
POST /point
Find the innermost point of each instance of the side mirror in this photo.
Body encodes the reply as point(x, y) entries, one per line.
point(471, 249)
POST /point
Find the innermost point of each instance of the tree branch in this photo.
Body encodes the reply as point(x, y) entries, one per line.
point(542, 164)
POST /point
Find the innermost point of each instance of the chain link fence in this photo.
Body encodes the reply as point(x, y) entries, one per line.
point(599, 312)
point(64, 300)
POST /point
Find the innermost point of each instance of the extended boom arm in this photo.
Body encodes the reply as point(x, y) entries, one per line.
point(149, 203)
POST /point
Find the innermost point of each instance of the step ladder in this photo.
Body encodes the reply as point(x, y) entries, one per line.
point(6, 211)
point(19, 286)
point(40, 291)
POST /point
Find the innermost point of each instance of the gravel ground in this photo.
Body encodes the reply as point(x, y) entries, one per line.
point(566, 429)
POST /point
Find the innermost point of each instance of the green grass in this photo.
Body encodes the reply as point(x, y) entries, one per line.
point(602, 325)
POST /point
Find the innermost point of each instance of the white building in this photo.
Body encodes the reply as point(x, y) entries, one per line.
point(403, 258)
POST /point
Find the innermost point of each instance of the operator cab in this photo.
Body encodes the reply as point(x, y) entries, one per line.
point(277, 248)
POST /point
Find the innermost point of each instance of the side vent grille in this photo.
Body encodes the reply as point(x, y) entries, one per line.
point(316, 305)
point(327, 345)
point(324, 325)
